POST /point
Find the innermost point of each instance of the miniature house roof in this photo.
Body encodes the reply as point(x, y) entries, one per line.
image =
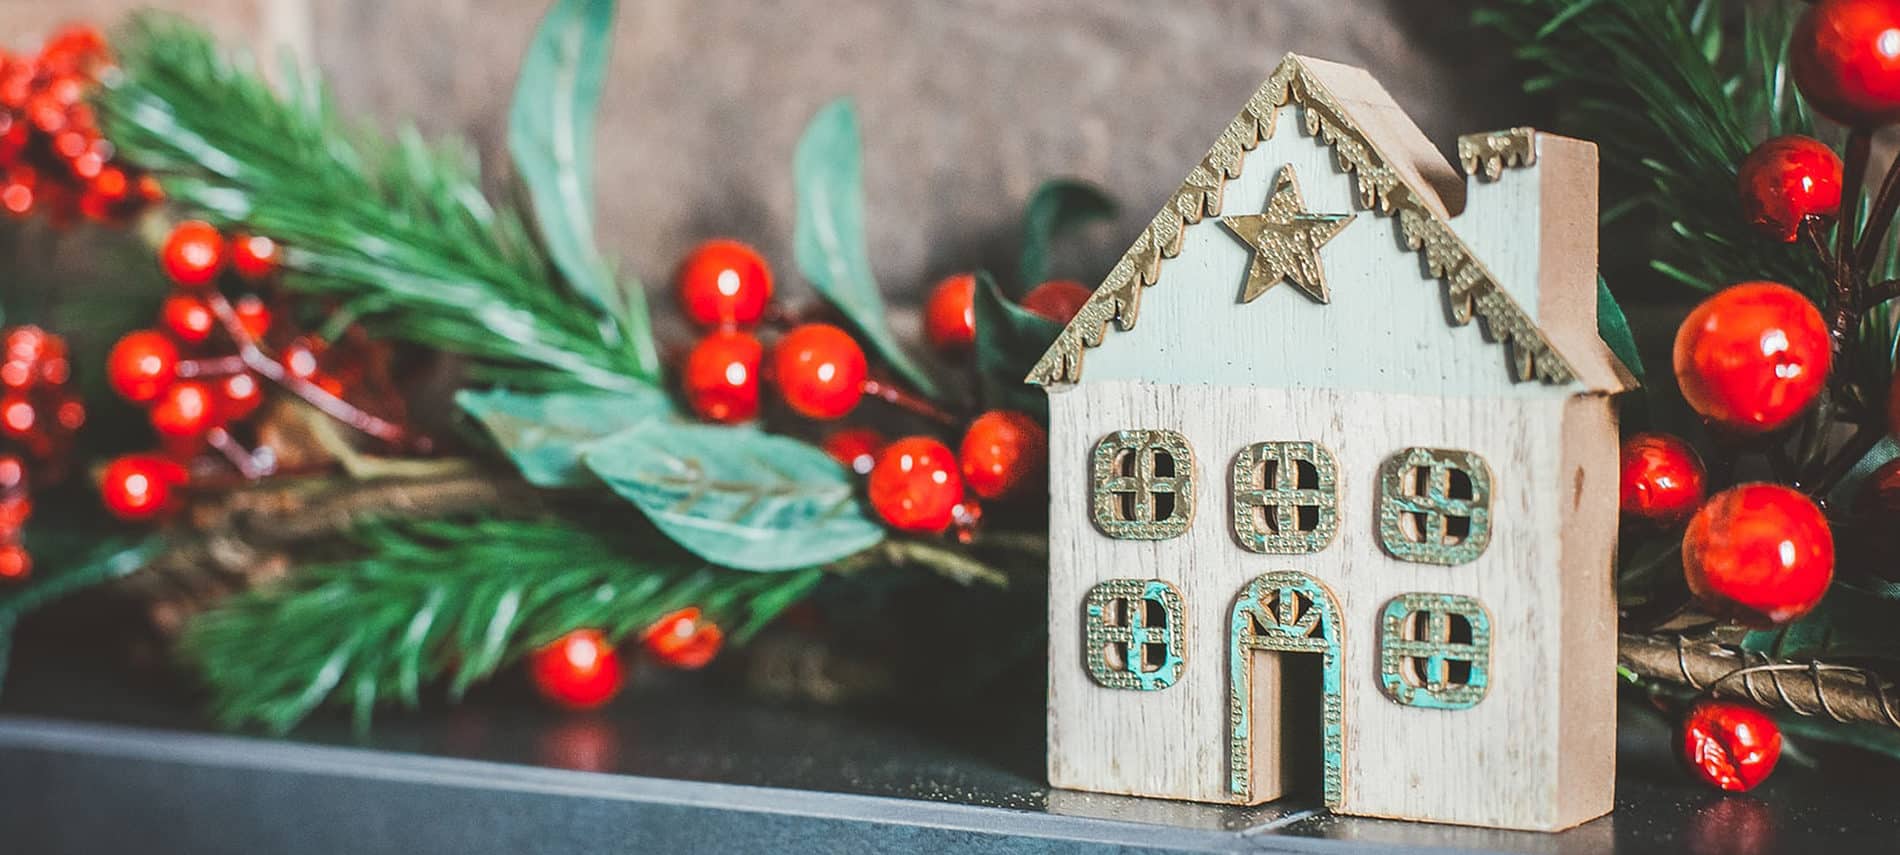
point(1397, 173)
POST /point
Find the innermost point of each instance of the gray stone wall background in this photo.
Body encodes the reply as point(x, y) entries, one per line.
point(966, 104)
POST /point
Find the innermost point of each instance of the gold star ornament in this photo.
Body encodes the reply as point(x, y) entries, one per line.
point(1285, 240)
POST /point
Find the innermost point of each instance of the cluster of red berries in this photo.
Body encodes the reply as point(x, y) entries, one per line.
point(917, 484)
point(582, 670)
point(202, 372)
point(52, 156)
point(39, 415)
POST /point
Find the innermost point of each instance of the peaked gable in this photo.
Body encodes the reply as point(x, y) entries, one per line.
point(1396, 173)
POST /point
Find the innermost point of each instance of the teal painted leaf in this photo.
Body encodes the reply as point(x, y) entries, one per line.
point(544, 432)
point(1058, 206)
point(1009, 340)
point(75, 563)
point(1614, 327)
point(551, 136)
point(828, 239)
point(737, 497)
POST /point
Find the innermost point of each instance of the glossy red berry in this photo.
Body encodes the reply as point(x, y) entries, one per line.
point(140, 486)
point(1058, 299)
point(1662, 479)
point(723, 282)
point(300, 357)
point(187, 318)
point(1001, 451)
point(1786, 180)
point(684, 639)
point(950, 314)
point(254, 257)
point(238, 396)
point(1730, 746)
point(252, 315)
point(15, 563)
point(187, 409)
point(915, 485)
point(1753, 356)
point(142, 365)
point(579, 670)
point(193, 254)
point(1846, 58)
point(819, 370)
point(1761, 554)
point(855, 448)
point(18, 417)
point(721, 376)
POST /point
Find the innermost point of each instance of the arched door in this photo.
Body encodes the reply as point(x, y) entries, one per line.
point(1288, 612)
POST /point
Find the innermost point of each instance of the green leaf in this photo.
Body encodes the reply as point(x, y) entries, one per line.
point(1886, 449)
point(545, 433)
point(551, 136)
point(1009, 340)
point(1058, 206)
point(737, 497)
point(1614, 327)
point(59, 576)
point(828, 240)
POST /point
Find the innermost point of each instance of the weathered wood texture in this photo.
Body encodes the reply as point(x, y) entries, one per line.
point(1513, 759)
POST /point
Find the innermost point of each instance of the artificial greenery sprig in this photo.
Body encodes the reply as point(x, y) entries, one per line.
point(453, 600)
point(397, 231)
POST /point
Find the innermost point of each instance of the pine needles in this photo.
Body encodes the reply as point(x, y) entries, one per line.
point(397, 231)
point(1674, 105)
point(427, 601)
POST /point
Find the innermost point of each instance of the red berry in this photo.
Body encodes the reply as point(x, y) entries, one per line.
point(819, 370)
point(1761, 554)
point(15, 563)
point(300, 357)
point(1730, 746)
point(855, 448)
point(12, 473)
point(579, 670)
point(724, 282)
point(721, 377)
point(950, 314)
point(254, 256)
point(186, 409)
point(1846, 58)
point(252, 315)
point(18, 416)
point(187, 318)
point(142, 365)
point(14, 512)
point(1001, 451)
point(1058, 299)
point(1753, 356)
point(140, 486)
point(915, 486)
point(193, 254)
point(238, 396)
point(684, 639)
point(1662, 478)
point(1786, 180)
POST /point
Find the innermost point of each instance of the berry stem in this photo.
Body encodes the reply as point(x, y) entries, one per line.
point(897, 396)
point(249, 463)
point(1879, 219)
point(330, 405)
point(220, 367)
point(1842, 298)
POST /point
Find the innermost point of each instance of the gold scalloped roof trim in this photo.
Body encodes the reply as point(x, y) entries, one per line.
point(1471, 288)
point(1493, 151)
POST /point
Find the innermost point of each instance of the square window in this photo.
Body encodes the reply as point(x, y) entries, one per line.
point(1435, 651)
point(1285, 497)
point(1143, 484)
point(1435, 506)
point(1134, 635)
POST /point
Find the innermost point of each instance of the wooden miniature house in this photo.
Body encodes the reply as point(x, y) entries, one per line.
point(1312, 530)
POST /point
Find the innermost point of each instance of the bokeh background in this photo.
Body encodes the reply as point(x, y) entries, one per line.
point(966, 104)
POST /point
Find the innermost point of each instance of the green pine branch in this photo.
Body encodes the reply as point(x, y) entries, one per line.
point(397, 231)
point(1675, 93)
point(425, 602)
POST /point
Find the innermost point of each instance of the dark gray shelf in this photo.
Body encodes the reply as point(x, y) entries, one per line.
point(98, 762)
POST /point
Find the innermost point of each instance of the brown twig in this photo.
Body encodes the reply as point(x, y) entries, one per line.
point(1842, 693)
point(1879, 219)
point(899, 397)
